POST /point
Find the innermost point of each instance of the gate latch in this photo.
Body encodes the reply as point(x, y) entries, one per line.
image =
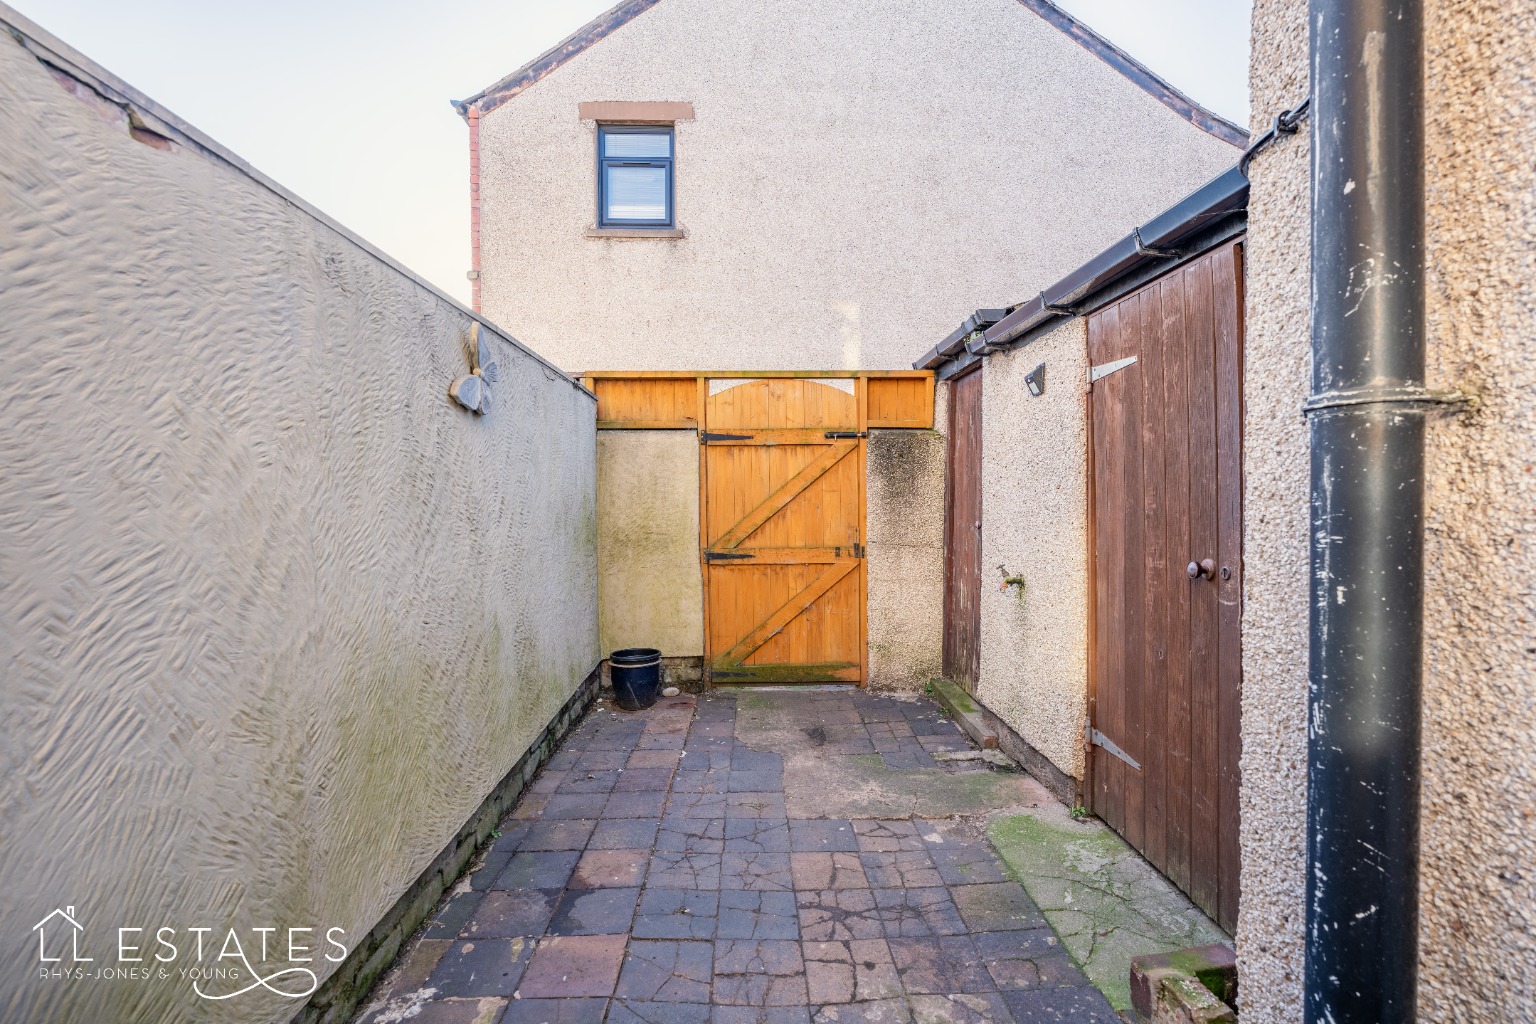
point(843, 435)
point(1098, 739)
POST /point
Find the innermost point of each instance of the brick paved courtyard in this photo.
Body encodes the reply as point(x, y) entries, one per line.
point(755, 858)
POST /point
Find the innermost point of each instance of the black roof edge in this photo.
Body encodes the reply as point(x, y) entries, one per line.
point(1140, 75)
point(1155, 242)
point(573, 45)
point(1223, 195)
point(955, 367)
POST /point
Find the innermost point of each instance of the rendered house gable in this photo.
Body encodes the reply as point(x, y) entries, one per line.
point(856, 176)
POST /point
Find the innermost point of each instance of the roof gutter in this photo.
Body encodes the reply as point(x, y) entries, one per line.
point(958, 341)
point(1160, 241)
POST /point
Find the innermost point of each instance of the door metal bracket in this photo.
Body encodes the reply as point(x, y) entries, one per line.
point(727, 556)
point(843, 435)
point(1098, 739)
point(709, 436)
point(1105, 369)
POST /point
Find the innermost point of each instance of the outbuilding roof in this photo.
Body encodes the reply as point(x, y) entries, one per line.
point(606, 24)
point(1214, 212)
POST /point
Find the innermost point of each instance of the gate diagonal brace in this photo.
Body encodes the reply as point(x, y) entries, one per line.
point(784, 615)
point(791, 488)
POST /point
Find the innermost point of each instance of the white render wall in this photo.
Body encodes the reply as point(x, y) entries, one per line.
point(861, 175)
point(277, 615)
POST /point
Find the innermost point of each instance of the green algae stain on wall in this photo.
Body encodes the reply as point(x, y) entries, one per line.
point(416, 752)
point(406, 753)
point(650, 593)
point(905, 534)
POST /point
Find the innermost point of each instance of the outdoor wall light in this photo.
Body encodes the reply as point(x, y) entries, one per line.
point(1035, 380)
point(473, 391)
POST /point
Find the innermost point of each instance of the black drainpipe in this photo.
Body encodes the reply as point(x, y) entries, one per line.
point(1366, 417)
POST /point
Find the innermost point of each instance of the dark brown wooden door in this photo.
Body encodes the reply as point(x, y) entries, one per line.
point(1167, 489)
point(962, 534)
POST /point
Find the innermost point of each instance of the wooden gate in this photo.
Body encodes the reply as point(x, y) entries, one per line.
point(1167, 572)
point(781, 505)
point(962, 534)
point(783, 530)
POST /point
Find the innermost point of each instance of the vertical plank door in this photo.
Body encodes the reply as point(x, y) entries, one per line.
point(1165, 419)
point(783, 525)
point(962, 534)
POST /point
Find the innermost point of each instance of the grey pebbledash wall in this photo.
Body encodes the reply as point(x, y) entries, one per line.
point(1034, 459)
point(1477, 946)
point(1276, 377)
point(278, 617)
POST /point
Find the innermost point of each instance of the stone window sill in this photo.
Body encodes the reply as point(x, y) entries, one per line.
point(636, 233)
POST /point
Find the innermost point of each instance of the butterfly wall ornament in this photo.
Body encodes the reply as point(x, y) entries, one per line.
point(473, 391)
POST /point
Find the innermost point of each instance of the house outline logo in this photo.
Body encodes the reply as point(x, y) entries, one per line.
point(68, 914)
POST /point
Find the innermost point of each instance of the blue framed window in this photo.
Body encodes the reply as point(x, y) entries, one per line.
point(634, 176)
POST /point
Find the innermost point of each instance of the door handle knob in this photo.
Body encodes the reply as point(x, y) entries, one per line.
point(1205, 569)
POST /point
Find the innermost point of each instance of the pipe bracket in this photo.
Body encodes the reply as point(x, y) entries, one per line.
point(1287, 122)
point(1143, 249)
point(1051, 307)
point(976, 344)
point(1453, 401)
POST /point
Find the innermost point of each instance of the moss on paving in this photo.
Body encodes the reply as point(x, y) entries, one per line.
point(948, 693)
point(1105, 902)
point(1102, 899)
point(757, 702)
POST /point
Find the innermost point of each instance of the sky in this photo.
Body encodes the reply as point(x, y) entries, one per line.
point(345, 102)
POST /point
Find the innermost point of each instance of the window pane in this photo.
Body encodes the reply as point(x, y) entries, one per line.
point(637, 193)
point(618, 145)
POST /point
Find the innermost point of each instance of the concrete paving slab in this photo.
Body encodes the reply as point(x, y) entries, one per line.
point(763, 857)
point(1105, 902)
point(481, 967)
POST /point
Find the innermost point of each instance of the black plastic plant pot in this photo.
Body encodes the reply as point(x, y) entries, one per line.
point(636, 673)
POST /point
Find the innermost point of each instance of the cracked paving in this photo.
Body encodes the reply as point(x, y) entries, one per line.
point(767, 857)
point(1105, 902)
